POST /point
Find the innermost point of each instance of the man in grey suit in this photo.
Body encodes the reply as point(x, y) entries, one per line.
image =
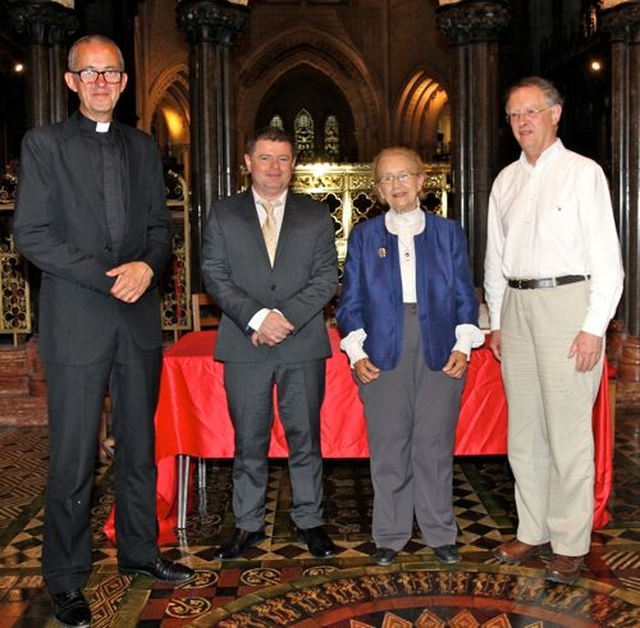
point(91, 214)
point(269, 260)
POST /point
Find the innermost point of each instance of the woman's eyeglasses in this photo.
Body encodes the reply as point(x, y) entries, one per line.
point(401, 177)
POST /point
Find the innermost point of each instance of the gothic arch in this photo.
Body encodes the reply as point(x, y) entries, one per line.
point(174, 81)
point(167, 113)
point(422, 113)
point(328, 56)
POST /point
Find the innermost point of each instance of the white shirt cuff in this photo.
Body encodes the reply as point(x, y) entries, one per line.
point(468, 337)
point(258, 318)
point(352, 345)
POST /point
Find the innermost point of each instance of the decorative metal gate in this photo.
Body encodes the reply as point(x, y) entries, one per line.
point(346, 188)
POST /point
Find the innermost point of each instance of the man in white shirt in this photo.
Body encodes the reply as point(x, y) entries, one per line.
point(553, 279)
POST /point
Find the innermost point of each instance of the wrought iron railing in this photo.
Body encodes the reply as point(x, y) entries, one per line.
point(346, 188)
point(15, 289)
point(175, 287)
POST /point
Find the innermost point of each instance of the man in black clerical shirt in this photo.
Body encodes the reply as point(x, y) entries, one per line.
point(91, 214)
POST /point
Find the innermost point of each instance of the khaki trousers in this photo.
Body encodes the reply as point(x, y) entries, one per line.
point(550, 439)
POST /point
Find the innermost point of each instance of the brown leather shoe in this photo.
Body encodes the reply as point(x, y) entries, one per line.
point(564, 569)
point(516, 552)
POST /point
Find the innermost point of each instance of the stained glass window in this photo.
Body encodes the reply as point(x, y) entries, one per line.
point(277, 122)
point(304, 133)
point(331, 138)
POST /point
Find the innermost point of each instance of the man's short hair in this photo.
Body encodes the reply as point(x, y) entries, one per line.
point(88, 39)
point(270, 133)
point(549, 90)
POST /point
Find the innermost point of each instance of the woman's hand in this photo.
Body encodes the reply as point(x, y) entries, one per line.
point(366, 371)
point(456, 366)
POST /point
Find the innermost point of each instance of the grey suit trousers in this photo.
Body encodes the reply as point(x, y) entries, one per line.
point(250, 395)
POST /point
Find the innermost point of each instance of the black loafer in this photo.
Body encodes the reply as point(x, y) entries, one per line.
point(240, 541)
point(384, 556)
point(70, 608)
point(318, 542)
point(162, 569)
point(447, 554)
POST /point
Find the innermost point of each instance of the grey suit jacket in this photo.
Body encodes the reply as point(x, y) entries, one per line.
point(237, 273)
point(60, 226)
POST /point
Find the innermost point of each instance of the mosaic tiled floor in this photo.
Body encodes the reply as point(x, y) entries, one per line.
point(280, 584)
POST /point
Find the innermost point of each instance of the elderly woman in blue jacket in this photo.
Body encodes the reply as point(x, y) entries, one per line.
point(408, 314)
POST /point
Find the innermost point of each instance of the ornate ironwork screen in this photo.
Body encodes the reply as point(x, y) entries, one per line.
point(346, 188)
point(175, 287)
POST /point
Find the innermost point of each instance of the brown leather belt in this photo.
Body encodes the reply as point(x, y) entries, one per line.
point(551, 282)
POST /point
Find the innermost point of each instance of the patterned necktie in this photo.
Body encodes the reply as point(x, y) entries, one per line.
point(269, 229)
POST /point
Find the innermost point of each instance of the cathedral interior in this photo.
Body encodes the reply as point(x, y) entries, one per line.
point(346, 78)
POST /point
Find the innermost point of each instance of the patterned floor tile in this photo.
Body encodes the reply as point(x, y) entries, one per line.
point(280, 575)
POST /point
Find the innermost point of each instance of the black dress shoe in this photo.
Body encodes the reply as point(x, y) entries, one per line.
point(447, 554)
point(318, 542)
point(162, 569)
point(240, 541)
point(70, 608)
point(384, 556)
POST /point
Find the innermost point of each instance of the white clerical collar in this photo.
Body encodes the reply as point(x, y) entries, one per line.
point(102, 127)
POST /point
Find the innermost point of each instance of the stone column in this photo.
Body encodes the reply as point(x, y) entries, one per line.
point(211, 27)
point(473, 27)
point(46, 25)
point(622, 22)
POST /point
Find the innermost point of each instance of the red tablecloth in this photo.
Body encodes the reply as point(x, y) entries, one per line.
point(192, 418)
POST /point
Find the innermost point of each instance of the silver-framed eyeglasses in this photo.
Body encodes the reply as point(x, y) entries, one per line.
point(401, 177)
point(89, 75)
point(514, 116)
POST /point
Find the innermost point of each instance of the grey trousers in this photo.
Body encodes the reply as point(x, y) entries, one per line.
point(411, 415)
point(300, 391)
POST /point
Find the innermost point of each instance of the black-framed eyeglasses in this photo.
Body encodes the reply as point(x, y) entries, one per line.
point(401, 177)
point(514, 116)
point(89, 75)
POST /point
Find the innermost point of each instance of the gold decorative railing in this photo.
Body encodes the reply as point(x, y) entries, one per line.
point(348, 191)
point(15, 298)
point(346, 188)
point(175, 287)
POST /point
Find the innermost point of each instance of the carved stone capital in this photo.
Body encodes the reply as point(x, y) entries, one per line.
point(473, 21)
point(622, 22)
point(216, 21)
point(42, 22)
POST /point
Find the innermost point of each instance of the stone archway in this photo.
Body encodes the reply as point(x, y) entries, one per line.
point(167, 115)
point(422, 118)
point(330, 58)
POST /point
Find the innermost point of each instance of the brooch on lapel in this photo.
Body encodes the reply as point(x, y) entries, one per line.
point(382, 252)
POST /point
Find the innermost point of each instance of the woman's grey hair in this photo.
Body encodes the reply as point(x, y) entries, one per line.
point(410, 154)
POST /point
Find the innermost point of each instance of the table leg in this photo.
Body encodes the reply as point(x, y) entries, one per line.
point(202, 472)
point(184, 463)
